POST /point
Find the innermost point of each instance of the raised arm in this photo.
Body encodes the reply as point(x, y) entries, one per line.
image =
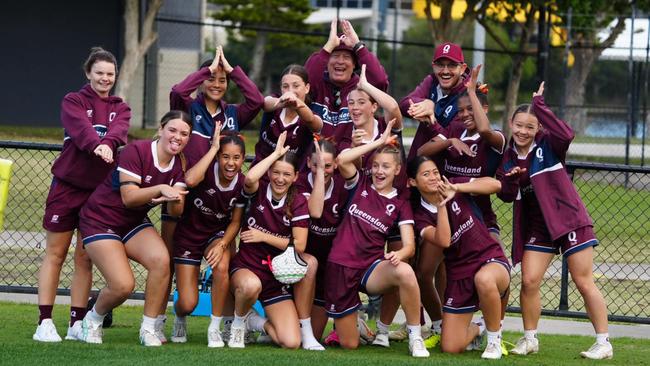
point(419, 94)
point(494, 138)
point(316, 199)
point(253, 99)
point(376, 74)
point(347, 158)
point(560, 131)
point(252, 181)
point(476, 186)
point(508, 175)
point(385, 101)
point(290, 100)
point(196, 173)
point(180, 97)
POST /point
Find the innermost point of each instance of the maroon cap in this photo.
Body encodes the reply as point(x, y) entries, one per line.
point(343, 47)
point(449, 50)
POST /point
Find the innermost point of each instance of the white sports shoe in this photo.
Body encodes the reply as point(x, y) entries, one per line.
point(91, 332)
point(417, 348)
point(149, 338)
point(399, 334)
point(599, 351)
point(75, 332)
point(366, 335)
point(160, 330)
point(179, 332)
point(492, 351)
point(525, 346)
point(237, 337)
point(214, 338)
point(381, 339)
point(46, 332)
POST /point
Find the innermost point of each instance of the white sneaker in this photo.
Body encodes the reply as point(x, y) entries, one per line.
point(366, 335)
point(160, 330)
point(75, 332)
point(91, 332)
point(416, 347)
point(399, 334)
point(236, 337)
point(149, 338)
point(492, 351)
point(179, 332)
point(525, 346)
point(214, 338)
point(46, 332)
point(381, 339)
point(599, 351)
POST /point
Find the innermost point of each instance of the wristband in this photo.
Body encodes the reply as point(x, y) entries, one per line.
point(359, 45)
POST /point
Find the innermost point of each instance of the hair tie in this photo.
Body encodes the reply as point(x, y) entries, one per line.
point(317, 137)
point(241, 136)
point(393, 143)
point(483, 88)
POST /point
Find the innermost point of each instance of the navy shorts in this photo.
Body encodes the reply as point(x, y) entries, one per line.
point(568, 244)
point(62, 207)
point(343, 287)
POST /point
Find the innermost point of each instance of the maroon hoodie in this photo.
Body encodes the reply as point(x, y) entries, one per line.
point(88, 121)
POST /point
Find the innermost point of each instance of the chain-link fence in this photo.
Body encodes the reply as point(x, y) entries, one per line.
point(617, 197)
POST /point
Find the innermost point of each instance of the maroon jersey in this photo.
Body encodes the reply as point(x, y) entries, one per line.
point(362, 235)
point(531, 210)
point(471, 242)
point(264, 216)
point(424, 214)
point(299, 136)
point(323, 230)
point(138, 160)
point(88, 121)
point(208, 208)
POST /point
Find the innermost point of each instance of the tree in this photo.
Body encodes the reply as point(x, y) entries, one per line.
point(137, 40)
point(519, 17)
point(265, 14)
point(588, 19)
point(445, 29)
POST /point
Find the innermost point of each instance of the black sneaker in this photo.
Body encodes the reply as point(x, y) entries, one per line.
point(108, 319)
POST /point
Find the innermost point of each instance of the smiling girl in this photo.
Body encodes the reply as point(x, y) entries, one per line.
point(115, 227)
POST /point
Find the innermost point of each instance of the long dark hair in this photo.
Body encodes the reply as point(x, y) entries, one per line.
point(292, 159)
point(301, 72)
point(412, 171)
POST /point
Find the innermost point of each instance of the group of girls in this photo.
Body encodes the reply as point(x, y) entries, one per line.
point(330, 178)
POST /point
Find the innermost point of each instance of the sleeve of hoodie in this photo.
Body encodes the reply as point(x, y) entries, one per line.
point(316, 65)
point(253, 99)
point(180, 97)
point(509, 185)
point(420, 93)
point(118, 129)
point(76, 124)
point(560, 132)
point(374, 70)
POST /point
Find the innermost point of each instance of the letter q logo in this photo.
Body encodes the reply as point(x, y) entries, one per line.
point(198, 202)
point(389, 209)
point(573, 238)
point(335, 209)
point(251, 221)
point(445, 49)
point(455, 208)
point(539, 154)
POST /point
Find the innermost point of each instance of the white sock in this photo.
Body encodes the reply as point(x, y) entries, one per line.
point(255, 322)
point(530, 334)
point(215, 322)
point(381, 327)
point(602, 338)
point(494, 337)
point(238, 321)
point(414, 331)
point(436, 326)
point(309, 342)
point(94, 316)
point(148, 323)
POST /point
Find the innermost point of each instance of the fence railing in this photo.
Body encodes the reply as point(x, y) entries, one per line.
point(617, 197)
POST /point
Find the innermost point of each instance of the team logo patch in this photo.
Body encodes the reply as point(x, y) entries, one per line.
point(455, 208)
point(450, 301)
point(260, 208)
point(197, 118)
point(55, 219)
point(335, 209)
point(286, 221)
point(332, 308)
point(186, 254)
point(446, 48)
point(110, 231)
point(111, 116)
point(285, 290)
point(389, 209)
point(147, 179)
point(211, 191)
point(474, 148)
point(89, 113)
point(573, 238)
point(364, 194)
point(539, 154)
point(532, 240)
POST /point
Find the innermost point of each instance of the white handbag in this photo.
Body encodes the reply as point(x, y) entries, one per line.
point(289, 267)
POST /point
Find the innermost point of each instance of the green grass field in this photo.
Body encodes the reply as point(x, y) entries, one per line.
point(121, 347)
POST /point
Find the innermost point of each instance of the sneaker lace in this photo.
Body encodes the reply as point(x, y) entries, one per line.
point(417, 344)
point(237, 334)
point(506, 347)
point(214, 334)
